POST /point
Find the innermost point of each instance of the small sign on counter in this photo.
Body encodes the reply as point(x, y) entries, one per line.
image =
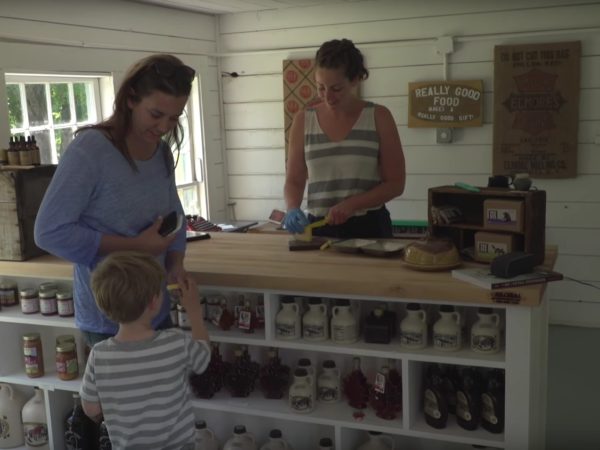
point(445, 104)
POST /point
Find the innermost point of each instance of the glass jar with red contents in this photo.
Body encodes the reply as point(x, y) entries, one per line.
point(48, 303)
point(67, 367)
point(33, 355)
point(30, 301)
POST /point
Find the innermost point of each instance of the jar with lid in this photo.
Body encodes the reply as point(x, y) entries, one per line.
point(413, 328)
point(30, 302)
point(447, 333)
point(33, 355)
point(67, 367)
point(343, 323)
point(48, 303)
point(64, 303)
point(9, 293)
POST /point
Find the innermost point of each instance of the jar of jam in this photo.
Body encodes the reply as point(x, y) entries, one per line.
point(67, 367)
point(30, 302)
point(48, 304)
point(9, 293)
point(33, 355)
point(64, 302)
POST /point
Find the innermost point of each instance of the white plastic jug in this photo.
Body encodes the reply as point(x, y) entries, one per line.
point(35, 424)
point(204, 438)
point(276, 442)
point(11, 426)
point(377, 441)
point(241, 440)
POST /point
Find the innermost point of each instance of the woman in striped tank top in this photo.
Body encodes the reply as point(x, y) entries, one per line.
point(347, 150)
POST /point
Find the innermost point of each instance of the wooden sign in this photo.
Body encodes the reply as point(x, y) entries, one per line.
point(536, 109)
point(445, 104)
point(299, 90)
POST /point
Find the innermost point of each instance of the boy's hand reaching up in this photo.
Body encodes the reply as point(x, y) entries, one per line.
point(190, 300)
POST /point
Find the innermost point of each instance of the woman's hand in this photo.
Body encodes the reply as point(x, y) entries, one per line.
point(341, 212)
point(151, 241)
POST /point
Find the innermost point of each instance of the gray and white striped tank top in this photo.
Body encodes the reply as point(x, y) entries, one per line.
point(338, 170)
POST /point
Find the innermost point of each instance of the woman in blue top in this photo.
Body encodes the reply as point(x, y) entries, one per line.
point(115, 183)
point(347, 149)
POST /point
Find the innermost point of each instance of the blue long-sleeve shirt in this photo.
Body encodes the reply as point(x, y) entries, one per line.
point(96, 192)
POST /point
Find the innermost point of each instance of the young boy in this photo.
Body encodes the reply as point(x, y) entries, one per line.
point(138, 379)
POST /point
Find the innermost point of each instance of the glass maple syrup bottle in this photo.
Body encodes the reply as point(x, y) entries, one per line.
point(492, 402)
point(274, 376)
point(355, 386)
point(468, 399)
point(435, 406)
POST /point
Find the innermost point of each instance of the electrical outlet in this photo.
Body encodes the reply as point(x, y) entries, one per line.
point(443, 135)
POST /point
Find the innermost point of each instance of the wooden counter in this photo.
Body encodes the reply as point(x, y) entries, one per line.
point(263, 261)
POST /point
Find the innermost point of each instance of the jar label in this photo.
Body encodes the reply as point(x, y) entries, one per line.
point(65, 307)
point(487, 409)
point(445, 341)
point(431, 406)
point(245, 320)
point(301, 402)
point(8, 297)
point(36, 434)
point(484, 343)
point(30, 305)
point(284, 330)
point(48, 305)
point(328, 394)
point(462, 406)
point(379, 385)
point(411, 338)
point(343, 332)
point(314, 331)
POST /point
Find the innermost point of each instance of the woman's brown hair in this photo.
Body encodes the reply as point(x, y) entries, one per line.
point(342, 54)
point(159, 72)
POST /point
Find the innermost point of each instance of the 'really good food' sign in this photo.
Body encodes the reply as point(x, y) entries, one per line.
point(445, 104)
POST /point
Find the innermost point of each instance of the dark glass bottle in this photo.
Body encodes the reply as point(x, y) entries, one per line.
point(383, 395)
point(274, 376)
point(81, 433)
point(395, 380)
point(206, 384)
point(492, 402)
point(225, 319)
point(450, 381)
point(434, 401)
point(468, 399)
point(242, 374)
point(356, 388)
point(103, 440)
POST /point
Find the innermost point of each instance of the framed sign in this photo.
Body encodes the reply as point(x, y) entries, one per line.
point(536, 109)
point(445, 104)
point(299, 90)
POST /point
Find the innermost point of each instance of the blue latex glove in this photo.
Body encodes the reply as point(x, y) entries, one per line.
point(295, 220)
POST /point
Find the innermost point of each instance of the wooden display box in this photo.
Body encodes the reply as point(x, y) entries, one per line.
point(21, 193)
point(529, 237)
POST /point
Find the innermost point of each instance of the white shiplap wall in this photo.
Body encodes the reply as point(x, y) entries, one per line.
point(397, 39)
point(106, 37)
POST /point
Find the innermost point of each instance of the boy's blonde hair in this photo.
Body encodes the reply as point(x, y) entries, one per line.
point(125, 283)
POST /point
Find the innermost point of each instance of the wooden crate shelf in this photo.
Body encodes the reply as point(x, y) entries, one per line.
point(530, 239)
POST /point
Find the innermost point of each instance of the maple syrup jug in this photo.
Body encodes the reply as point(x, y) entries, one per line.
point(468, 399)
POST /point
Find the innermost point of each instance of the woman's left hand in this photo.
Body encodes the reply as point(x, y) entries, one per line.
point(340, 213)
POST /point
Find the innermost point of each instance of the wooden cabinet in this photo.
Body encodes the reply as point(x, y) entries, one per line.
point(245, 264)
point(528, 235)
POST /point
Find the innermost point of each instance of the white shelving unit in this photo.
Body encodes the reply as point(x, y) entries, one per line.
point(523, 359)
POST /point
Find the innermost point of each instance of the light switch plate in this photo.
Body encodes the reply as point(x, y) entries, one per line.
point(443, 135)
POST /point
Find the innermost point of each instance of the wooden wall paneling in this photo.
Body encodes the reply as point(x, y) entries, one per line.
point(256, 161)
point(114, 15)
point(266, 138)
point(487, 22)
point(369, 11)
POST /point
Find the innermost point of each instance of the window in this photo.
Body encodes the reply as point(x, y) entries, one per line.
point(51, 108)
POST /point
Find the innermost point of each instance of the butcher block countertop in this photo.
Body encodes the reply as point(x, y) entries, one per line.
point(263, 261)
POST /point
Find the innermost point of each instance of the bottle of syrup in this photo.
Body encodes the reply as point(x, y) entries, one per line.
point(434, 401)
point(274, 376)
point(103, 439)
point(208, 383)
point(81, 433)
point(383, 395)
point(355, 386)
point(492, 402)
point(468, 399)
